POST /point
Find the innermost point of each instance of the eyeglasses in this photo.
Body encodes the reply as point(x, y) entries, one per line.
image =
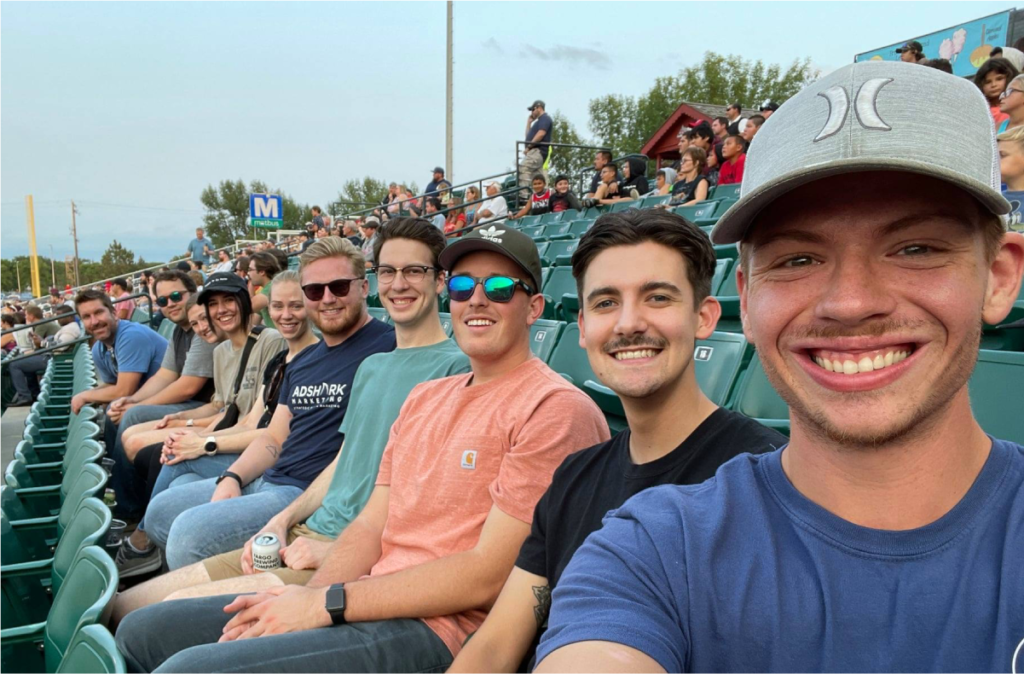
point(413, 273)
point(496, 288)
point(1008, 91)
point(175, 297)
point(339, 288)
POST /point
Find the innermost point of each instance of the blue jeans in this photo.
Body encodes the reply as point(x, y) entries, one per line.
point(131, 500)
point(189, 527)
point(25, 375)
point(186, 472)
point(181, 636)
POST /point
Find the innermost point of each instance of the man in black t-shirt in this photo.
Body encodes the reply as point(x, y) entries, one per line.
point(644, 281)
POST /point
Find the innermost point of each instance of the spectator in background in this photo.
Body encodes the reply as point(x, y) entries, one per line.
point(768, 108)
point(389, 199)
point(535, 156)
point(753, 126)
point(199, 248)
point(119, 288)
point(242, 266)
point(734, 152)
point(304, 240)
point(736, 122)
point(992, 78)
point(41, 332)
point(472, 194)
point(562, 199)
point(494, 210)
point(631, 187)
point(197, 278)
point(225, 263)
point(1014, 56)
point(540, 199)
point(350, 232)
point(704, 138)
point(720, 128)
point(433, 213)
point(911, 52)
point(25, 373)
point(609, 174)
point(263, 267)
point(435, 186)
point(601, 158)
point(8, 341)
point(369, 232)
point(1011, 166)
point(939, 64)
point(666, 177)
point(318, 217)
point(456, 219)
point(692, 186)
point(1011, 104)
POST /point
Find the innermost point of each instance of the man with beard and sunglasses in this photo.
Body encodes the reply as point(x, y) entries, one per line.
point(126, 354)
point(203, 518)
point(184, 382)
point(888, 535)
point(644, 279)
point(413, 575)
point(410, 283)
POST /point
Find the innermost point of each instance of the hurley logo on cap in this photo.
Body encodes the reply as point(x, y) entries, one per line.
point(866, 107)
point(492, 233)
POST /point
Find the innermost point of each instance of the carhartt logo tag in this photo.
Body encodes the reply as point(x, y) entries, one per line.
point(469, 459)
point(492, 233)
point(865, 107)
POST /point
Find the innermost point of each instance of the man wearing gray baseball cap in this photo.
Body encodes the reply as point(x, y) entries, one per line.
point(889, 534)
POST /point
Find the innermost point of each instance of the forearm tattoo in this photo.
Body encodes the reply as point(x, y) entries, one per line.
point(273, 449)
point(540, 612)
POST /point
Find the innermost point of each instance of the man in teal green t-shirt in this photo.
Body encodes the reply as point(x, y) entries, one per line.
point(409, 284)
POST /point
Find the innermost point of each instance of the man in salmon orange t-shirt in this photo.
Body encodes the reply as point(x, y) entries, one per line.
point(410, 579)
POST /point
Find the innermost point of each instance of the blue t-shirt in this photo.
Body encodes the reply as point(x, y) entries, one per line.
point(137, 348)
point(316, 388)
point(196, 246)
point(743, 573)
point(542, 122)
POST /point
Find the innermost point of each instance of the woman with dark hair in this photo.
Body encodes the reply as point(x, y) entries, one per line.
point(992, 78)
point(692, 186)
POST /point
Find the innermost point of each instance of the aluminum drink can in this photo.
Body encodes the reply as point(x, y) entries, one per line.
point(266, 552)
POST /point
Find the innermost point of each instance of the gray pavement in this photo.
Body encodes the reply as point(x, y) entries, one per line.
point(12, 425)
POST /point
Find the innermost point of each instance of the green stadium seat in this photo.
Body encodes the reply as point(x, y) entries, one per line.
point(544, 337)
point(569, 359)
point(557, 231)
point(542, 249)
point(446, 323)
point(594, 212)
point(756, 398)
point(996, 406)
point(726, 191)
point(373, 298)
point(93, 649)
point(579, 227)
point(559, 282)
point(33, 528)
point(549, 218)
point(728, 296)
point(140, 315)
point(727, 251)
point(527, 221)
point(84, 599)
point(535, 232)
point(380, 313)
point(609, 404)
point(699, 211)
point(166, 328)
point(29, 586)
point(651, 200)
point(559, 253)
point(622, 206)
point(718, 361)
point(722, 269)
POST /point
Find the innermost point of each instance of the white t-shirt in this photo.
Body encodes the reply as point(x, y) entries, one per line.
point(228, 266)
point(497, 207)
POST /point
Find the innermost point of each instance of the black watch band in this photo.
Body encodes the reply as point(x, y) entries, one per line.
point(226, 474)
point(335, 603)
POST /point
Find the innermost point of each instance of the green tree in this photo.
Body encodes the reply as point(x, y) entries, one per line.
point(227, 210)
point(358, 195)
point(626, 123)
point(563, 159)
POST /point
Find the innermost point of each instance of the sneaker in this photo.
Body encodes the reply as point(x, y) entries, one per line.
point(131, 563)
point(633, 194)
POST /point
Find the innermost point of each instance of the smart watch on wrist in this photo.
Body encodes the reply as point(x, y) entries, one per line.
point(335, 603)
point(210, 446)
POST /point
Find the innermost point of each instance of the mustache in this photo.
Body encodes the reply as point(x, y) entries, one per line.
point(637, 341)
point(877, 329)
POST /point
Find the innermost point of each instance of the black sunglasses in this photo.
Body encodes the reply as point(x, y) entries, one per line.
point(164, 300)
point(339, 288)
point(496, 288)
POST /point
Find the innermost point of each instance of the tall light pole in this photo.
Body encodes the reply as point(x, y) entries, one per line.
point(448, 107)
point(53, 269)
point(74, 236)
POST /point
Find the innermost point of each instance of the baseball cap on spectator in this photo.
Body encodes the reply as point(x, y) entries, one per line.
point(871, 116)
point(438, 169)
point(371, 221)
point(913, 45)
point(488, 183)
point(506, 241)
point(223, 282)
point(536, 103)
point(183, 266)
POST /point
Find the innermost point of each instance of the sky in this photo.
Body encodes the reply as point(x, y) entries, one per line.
point(133, 108)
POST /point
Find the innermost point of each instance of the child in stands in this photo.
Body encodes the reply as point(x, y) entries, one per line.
point(539, 202)
point(563, 199)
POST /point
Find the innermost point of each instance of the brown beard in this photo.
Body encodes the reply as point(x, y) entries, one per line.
point(349, 319)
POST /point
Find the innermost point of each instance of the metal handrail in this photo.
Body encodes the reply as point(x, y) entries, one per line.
point(567, 145)
point(478, 182)
point(33, 324)
point(56, 347)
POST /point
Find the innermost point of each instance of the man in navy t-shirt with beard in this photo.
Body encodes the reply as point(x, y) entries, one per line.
point(214, 516)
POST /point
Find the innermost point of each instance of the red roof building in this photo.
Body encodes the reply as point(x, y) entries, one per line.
point(663, 146)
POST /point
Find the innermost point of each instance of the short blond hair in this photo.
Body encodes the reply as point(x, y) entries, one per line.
point(334, 246)
point(1016, 135)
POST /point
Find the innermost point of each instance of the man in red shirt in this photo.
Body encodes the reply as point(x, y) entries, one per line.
point(735, 154)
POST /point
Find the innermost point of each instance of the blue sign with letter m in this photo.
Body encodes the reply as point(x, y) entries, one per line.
point(266, 211)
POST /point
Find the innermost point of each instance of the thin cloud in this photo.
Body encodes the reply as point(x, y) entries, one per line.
point(572, 55)
point(492, 45)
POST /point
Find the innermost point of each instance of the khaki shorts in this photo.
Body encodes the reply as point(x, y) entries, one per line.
point(229, 564)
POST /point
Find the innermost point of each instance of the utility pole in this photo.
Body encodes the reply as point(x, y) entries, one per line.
point(448, 107)
point(53, 269)
point(74, 236)
point(30, 218)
